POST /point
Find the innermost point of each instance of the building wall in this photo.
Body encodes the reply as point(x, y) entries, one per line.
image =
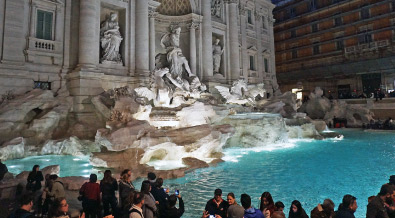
point(308, 43)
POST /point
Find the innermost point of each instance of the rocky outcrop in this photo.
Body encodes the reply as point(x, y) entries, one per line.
point(355, 115)
point(317, 105)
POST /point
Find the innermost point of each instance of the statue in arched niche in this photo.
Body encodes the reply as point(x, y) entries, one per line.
point(110, 39)
point(217, 54)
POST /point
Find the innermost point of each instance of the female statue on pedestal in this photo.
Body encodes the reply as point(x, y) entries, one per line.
point(217, 53)
point(111, 39)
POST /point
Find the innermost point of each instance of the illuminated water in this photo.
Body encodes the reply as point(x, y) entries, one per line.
point(306, 170)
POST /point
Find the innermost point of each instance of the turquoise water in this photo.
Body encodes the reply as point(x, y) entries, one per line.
point(308, 171)
point(69, 165)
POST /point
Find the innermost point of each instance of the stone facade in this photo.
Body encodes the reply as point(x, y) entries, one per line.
point(345, 47)
point(56, 43)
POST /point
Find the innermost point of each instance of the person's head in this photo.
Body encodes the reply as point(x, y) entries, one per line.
point(159, 182)
point(296, 207)
point(266, 200)
point(278, 214)
point(217, 41)
point(113, 16)
point(245, 201)
point(145, 187)
point(59, 207)
point(172, 200)
point(371, 198)
point(328, 206)
point(53, 177)
point(36, 168)
point(279, 206)
point(107, 176)
point(350, 202)
point(231, 198)
point(126, 175)
point(151, 176)
point(93, 178)
point(177, 30)
point(27, 202)
point(138, 199)
point(218, 194)
point(387, 191)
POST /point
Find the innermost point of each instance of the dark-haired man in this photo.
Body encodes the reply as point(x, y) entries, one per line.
point(249, 212)
point(377, 208)
point(217, 205)
point(138, 201)
point(347, 208)
point(170, 210)
point(26, 206)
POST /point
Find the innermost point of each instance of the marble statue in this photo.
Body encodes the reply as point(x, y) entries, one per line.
point(175, 58)
point(217, 53)
point(111, 39)
point(241, 93)
point(216, 8)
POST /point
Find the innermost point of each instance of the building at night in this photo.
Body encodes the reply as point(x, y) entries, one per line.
point(345, 47)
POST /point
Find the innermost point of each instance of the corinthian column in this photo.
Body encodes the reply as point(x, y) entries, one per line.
point(192, 43)
point(142, 45)
point(152, 14)
point(87, 34)
point(207, 41)
point(233, 40)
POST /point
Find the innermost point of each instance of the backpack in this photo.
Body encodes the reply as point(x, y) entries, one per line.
point(134, 210)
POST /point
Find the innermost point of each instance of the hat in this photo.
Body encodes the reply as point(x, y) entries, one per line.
point(392, 179)
point(218, 191)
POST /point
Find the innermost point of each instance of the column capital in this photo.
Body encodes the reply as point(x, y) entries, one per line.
point(193, 25)
point(231, 1)
point(258, 15)
point(152, 13)
point(242, 9)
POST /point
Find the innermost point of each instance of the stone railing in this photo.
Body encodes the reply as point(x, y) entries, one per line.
point(43, 51)
point(366, 47)
point(44, 45)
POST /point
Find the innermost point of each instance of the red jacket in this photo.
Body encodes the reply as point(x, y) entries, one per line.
point(91, 191)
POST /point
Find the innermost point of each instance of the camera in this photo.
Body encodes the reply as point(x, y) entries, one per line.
point(177, 192)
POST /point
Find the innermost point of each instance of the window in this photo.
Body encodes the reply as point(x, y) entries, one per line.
point(42, 85)
point(252, 63)
point(365, 14)
point(339, 45)
point(393, 5)
point(249, 14)
point(44, 25)
point(313, 5)
point(365, 38)
point(294, 53)
point(314, 27)
point(266, 65)
point(292, 12)
point(338, 21)
point(316, 49)
point(293, 33)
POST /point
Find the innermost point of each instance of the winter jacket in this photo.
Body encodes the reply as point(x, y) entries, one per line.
point(173, 212)
point(57, 190)
point(149, 207)
point(253, 213)
point(214, 209)
point(344, 213)
point(108, 189)
point(35, 178)
point(90, 191)
point(125, 188)
point(376, 209)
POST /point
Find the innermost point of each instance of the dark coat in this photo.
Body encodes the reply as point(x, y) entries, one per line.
point(36, 177)
point(376, 209)
point(344, 213)
point(214, 209)
point(108, 189)
point(315, 213)
point(173, 212)
point(302, 214)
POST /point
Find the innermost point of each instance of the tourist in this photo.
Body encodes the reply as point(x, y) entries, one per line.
point(216, 205)
point(249, 211)
point(377, 208)
point(26, 206)
point(138, 202)
point(125, 188)
point(108, 186)
point(152, 180)
point(149, 207)
point(60, 209)
point(57, 189)
point(279, 206)
point(371, 198)
point(277, 214)
point(91, 197)
point(234, 210)
point(347, 208)
point(170, 210)
point(34, 179)
point(296, 210)
point(160, 194)
point(267, 203)
point(326, 210)
point(3, 170)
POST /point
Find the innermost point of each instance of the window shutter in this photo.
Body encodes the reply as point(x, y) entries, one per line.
point(40, 25)
point(48, 26)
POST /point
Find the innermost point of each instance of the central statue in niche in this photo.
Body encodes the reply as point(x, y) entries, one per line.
point(111, 39)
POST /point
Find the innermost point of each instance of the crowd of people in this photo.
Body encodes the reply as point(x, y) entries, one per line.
point(153, 201)
point(387, 124)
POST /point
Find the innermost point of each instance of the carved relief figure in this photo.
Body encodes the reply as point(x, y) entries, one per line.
point(217, 53)
point(216, 8)
point(176, 59)
point(111, 39)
